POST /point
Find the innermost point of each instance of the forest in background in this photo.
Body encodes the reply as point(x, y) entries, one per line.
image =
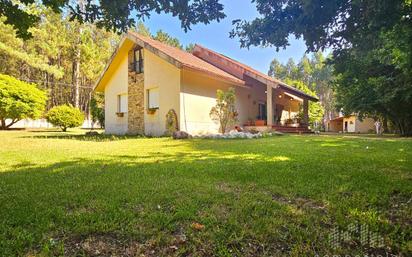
point(63, 57)
point(314, 76)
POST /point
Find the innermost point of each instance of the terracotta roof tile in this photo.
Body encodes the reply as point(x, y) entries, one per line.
point(187, 59)
point(253, 71)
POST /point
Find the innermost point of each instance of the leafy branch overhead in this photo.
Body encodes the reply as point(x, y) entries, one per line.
point(116, 15)
point(333, 24)
point(371, 43)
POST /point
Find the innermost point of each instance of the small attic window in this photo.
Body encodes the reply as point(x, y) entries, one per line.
point(137, 65)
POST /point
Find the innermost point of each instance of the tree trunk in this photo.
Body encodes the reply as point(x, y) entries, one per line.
point(385, 125)
point(76, 64)
point(76, 73)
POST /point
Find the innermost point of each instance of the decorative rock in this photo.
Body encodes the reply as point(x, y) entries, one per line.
point(231, 135)
point(92, 133)
point(180, 135)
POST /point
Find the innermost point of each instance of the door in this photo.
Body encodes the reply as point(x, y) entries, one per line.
point(346, 126)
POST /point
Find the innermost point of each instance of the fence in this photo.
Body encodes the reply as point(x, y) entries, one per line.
point(42, 123)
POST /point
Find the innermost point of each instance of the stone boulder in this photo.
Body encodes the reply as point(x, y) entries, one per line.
point(92, 133)
point(180, 135)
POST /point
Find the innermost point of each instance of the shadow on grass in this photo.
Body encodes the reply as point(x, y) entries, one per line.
point(226, 185)
point(83, 137)
point(137, 197)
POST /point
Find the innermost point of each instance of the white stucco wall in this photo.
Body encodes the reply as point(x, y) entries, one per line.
point(351, 121)
point(160, 74)
point(115, 86)
point(198, 96)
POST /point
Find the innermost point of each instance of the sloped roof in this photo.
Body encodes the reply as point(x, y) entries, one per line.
point(197, 62)
point(247, 70)
point(183, 58)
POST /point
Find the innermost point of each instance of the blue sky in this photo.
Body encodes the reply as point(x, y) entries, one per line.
point(216, 36)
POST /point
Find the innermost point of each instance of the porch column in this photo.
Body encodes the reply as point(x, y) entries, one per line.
point(269, 107)
point(305, 112)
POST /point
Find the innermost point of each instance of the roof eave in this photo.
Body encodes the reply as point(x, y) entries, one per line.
point(116, 51)
point(298, 92)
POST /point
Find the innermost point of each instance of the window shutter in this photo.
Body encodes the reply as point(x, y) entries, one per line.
point(122, 103)
point(153, 98)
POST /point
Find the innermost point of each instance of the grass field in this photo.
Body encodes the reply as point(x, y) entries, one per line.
point(64, 194)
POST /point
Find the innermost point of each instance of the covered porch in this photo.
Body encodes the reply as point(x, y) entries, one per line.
point(278, 106)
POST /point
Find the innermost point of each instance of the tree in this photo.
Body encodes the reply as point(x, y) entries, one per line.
point(316, 110)
point(189, 48)
point(114, 15)
point(65, 116)
point(97, 108)
point(11, 50)
point(371, 42)
point(19, 100)
point(167, 39)
point(50, 57)
point(337, 24)
point(161, 36)
point(224, 111)
point(313, 75)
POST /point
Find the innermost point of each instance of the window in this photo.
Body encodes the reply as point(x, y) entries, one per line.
point(153, 98)
point(122, 103)
point(138, 61)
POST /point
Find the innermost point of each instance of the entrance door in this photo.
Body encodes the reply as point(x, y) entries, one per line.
point(346, 126)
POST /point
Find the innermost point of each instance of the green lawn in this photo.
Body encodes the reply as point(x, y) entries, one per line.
point(67, 194)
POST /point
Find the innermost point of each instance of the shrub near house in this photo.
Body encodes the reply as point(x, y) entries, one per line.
point(224, 111)
point(65, 116)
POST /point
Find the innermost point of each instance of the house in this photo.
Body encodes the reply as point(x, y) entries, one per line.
point(145, 79)
point(350, 124)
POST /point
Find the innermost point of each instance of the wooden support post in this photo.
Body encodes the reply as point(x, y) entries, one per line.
point(269, 105)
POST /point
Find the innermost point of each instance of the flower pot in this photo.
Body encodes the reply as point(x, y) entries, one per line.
point(260, 122)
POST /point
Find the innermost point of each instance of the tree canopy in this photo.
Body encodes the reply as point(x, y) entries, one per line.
point(313, 76)
point(161, 36)
point(371, 43)
point(19, 100)
point(336, 24)
point(115, 15)
point(65, 116)
point(50, 56)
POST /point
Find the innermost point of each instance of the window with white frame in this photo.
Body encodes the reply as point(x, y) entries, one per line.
point(153, 98)
point(122, 103)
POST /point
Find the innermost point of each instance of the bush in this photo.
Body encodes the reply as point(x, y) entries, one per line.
point(97, 108)
point(19, 100)
point(224, 111)
point(65, 116)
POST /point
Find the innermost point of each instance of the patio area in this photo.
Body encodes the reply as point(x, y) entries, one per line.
point(278, 106)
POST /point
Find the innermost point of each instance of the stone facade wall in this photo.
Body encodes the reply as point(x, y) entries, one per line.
point(135, 103)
